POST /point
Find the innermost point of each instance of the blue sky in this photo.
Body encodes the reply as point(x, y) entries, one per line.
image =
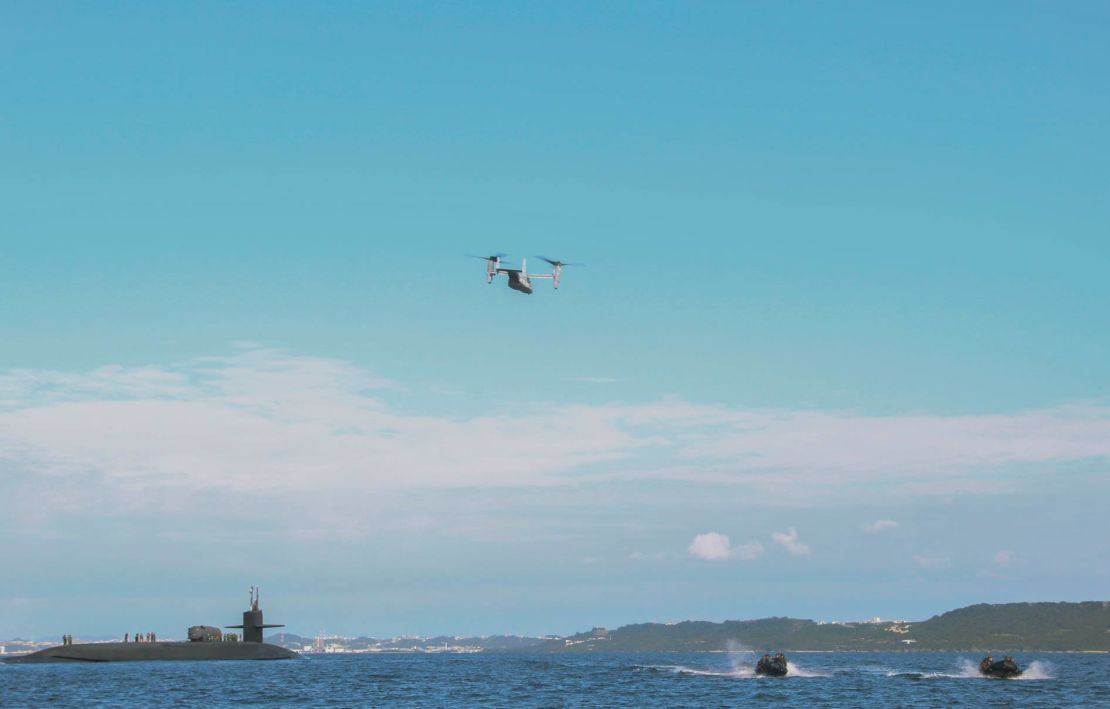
point(845, 304)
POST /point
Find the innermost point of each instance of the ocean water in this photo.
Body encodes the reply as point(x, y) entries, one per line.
point(912, 679)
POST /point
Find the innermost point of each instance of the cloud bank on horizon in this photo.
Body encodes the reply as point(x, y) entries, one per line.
point(263, 417)
point(330, 456)
point(291, 427)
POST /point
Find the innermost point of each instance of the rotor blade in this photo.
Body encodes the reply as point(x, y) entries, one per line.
point(487, 258)
point(553, 262)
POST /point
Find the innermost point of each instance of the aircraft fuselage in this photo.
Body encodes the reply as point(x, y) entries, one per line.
point(519, 282)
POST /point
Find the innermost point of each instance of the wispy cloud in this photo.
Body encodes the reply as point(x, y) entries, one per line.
point(789, 541)
point(844, 441)
point(1003, 557)
point(262, 418)
point(880, 525)
point(266, 420)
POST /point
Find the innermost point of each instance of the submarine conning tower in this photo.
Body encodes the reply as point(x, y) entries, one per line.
point(252, 620)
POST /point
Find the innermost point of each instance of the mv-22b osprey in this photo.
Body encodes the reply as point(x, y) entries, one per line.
point(519, 278)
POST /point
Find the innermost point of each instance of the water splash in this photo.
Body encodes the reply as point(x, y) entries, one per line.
point(740, 658)
point(793, 670)
point(1038, 670)
point(741, 662)
point(1035, 670)
point(969, 669)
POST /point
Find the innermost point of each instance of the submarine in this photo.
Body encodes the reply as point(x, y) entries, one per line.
point(1005, 668)
point(204, 643)
point(769, 666)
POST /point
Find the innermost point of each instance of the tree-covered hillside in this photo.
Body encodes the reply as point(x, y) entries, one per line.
point(1011, 626)
point(1019, 626)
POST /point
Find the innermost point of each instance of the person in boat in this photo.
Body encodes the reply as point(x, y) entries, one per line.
point(1004, 669)
point(771, 666)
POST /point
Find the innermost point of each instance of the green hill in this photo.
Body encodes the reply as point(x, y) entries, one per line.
point(1010, 626)
point(1019, 626)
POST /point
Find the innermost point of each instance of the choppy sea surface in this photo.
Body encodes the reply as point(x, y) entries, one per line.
point(910, 679)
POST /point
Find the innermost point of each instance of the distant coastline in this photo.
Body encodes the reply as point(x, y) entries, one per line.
point(1041, 627)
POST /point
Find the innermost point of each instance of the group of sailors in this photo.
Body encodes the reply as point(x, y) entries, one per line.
point(774, 666)
point(989, 660)
point(1004, 668)
point(141, 637)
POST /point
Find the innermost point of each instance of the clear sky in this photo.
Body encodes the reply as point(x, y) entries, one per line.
point(841, 347)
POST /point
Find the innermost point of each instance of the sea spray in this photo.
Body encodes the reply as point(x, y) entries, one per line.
point(1038, 669)
point(793, 670)
point(968, 668)
point(740, 658)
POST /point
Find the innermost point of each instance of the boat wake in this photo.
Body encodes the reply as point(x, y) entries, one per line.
point(968, 669)
point(737, 671)
point(799, 671)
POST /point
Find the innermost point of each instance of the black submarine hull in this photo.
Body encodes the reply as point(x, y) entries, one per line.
point(156, 651)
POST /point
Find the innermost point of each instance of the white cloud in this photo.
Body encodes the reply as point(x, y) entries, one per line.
point(1003, 557)
point(789, 540)
point(261, 418)
point(266, 420)
point(861, 445)
point(711, 546)
point(880, 525)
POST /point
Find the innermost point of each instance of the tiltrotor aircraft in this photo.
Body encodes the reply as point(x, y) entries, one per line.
point(519, 278)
